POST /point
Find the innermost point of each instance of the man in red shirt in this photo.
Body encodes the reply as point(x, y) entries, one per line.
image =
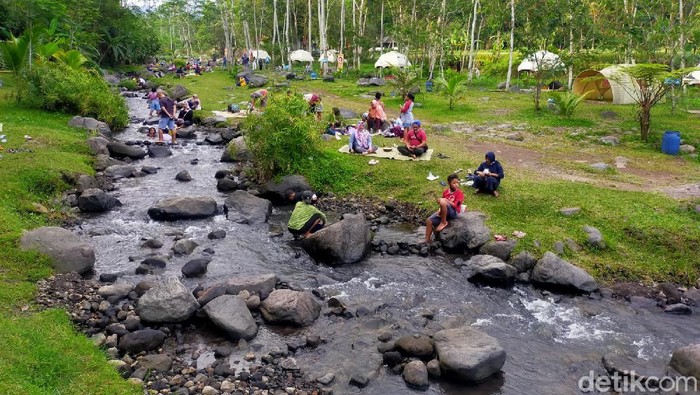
point(450, 207)
point(416, 142)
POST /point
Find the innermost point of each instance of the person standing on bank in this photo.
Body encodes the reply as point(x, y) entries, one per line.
point(488, 175)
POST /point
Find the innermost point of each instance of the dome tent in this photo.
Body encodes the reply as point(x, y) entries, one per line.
point(546, 60)
point(301, 55)
point(609, 84)
point(392, 59)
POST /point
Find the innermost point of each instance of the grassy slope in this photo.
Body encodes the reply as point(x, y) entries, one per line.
point(40, 353)
point(651, 236)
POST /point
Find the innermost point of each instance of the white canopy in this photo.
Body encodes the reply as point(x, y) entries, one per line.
point(392, 59)
point(544, 59)
point(301, 56)
point(329, 56)
point(692, 79)
point(260, 54)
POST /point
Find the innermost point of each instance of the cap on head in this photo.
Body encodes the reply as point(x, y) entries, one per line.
point(416, 123)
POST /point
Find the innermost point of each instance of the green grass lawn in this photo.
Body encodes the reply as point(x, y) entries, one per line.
point(651, 236)
point(40, 352)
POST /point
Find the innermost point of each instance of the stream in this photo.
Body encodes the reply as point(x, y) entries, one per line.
point(551, 341)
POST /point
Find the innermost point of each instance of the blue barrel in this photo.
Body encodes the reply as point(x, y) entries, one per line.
point(671, 142)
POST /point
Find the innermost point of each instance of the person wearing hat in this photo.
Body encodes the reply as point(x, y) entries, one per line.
point(416, 142)
point(488, 175)
point(306, 219)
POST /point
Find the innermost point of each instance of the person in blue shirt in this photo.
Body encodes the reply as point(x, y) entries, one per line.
point(488, 176)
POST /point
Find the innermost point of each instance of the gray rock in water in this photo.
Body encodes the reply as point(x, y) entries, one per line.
point(121, 150)
point(227, 185)
point(236, 151)
point(555, 273)
point(671, 292)
point(347, 241)
point(262, 285)
point(415, 374)
point(159, 151)
point(468, 355)
point(183, 176)
point(686, 361)
point(499, 249)
point(167, 301)
point(595, 238)
point(98, 145)
point(118, 291)
point(275, 191)
point(359, 380)
point(326, 379)
point(96, 201)
point(214, 139)
point(678, 309)
point(142, 340)
point(466, 232)
point(116, 172)
point(183, 207)
point(67, 252)
point(251, 209)
point(230, 313)
point(187, 132)
point(195, 267)
point(184, 247)
point(433, 367)
point(285, 306)
point(156, 362)
point(490, 270)
point(85, 182)
point(523, 262)
point(417, 345)
point(216, 234)
point(152, 243)
point(102, 162)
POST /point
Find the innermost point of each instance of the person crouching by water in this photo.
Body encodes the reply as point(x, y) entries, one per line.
point(488, 175)
point(306, 219)
point(361, 140)
point(416, 142)
point(450, 206)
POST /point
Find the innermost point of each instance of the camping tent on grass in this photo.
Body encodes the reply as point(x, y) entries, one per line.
point(546, 60)
point(692, 79)
point(609, 84)
point(260, 54)
point(392, 59)
point(301, 56)
point(329, 56)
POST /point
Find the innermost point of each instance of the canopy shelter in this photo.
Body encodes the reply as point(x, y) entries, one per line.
point(692, 79)
point(329, 56)
point(609, 84)
point(392, 59)
point(301, 55)
point(260, 54)
point(544, 59)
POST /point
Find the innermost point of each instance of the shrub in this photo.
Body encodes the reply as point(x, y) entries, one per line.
point(128, 84)
point(57, 87)
point(566, 102)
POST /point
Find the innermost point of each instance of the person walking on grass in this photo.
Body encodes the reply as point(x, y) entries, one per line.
point(450, 206)
point(488, 175)
point(167, 117)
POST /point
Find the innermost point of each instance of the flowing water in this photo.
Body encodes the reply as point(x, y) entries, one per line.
point(551, 343)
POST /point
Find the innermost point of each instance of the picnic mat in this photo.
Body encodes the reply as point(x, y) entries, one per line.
point(227, 114)
point(393, 154)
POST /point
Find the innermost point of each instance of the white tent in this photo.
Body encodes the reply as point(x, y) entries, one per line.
point(544, 59)
point(329, 56)
point(301, 56)
point(609, 84)
point(260, 54)
point(692, 79)
point(392, 59)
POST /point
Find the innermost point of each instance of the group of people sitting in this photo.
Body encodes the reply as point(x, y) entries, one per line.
point(170, 119)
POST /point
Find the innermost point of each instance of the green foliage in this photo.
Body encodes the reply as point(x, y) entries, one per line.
point(58, 87)
point(128, 83)
point(404, 80)
point(452, 87)
point(13, 54)
point(73, 58)
point(566, 102)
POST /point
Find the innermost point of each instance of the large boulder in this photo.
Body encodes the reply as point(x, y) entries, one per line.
point(555, 273)
point(467, 354)
point(489, 270)
point(167, 301)
point(377, 81)
point(250, 209)
point(98, 145)
point(415, 374)
point(231, 314)
point(347, 241)
point(121, 150)
point(103, 161)
point(285, 306)
point(275, 190)
point(195, 267)
point(499, 249)
point(466, 232)
point(213, 121)
point(686, 361)
point(523, 262)
point(95, 200)
point(66, 250)
point(178, 92)
point(116, 172)
point(183, 207)
point(141, 340)
point(159, 151)
point(188, 132)
point(236, 151)
point(348, 114)
point(90, 124)
point(261, 285)
point(420, 346)
point(257, 80)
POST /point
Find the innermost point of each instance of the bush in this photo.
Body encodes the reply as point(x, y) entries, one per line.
point(285, 140)
point(128, 84)
point(56, 87)
point(566, 102)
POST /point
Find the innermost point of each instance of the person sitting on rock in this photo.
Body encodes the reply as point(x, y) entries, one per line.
point(306, 219)
point(185, 117)
point(488, 175)
point(450, 206)
point(361, 141)
point(260, 96)
point(416, 142)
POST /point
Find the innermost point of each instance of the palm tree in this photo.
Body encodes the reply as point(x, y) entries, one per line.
point(73, 58)
point(404, 80)
point(13, 53)
point(452, 87)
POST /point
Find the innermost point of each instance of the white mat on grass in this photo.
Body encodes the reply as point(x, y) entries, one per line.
point(393, 153)
point(227, 114)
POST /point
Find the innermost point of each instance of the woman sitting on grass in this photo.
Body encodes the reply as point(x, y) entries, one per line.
point(488, 175)
point(361, 140)
point(306, 219)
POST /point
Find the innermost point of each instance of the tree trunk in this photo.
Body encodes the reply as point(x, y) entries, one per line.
point(571, 53)
point(309, 36)
point(381, 31)
point(286, 29)
point(644, 121)
point(471, 45)
point(441, 25)
point(341, 47)
point(510, 52)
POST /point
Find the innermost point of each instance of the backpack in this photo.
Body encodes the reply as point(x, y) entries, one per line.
point(234, 108)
